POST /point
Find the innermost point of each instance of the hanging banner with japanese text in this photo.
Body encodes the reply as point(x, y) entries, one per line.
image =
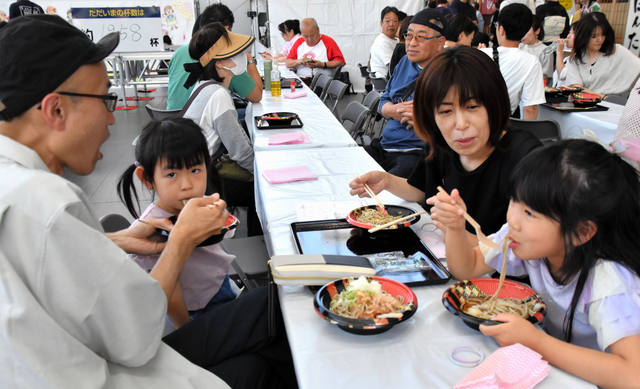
point(140, 28)
point(632, 33)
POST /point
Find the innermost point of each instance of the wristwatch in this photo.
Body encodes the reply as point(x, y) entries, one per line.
point(253, 60)
point(324, 65)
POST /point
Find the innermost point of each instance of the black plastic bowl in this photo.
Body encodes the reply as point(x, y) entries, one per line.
point(364, 326)
point(392, 210)
point(231, 223)
point(457, 294)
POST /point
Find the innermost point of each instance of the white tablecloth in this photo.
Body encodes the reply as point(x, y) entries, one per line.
point(414, 354)
point(276, 203)
point(319, 123)
point(573, 124)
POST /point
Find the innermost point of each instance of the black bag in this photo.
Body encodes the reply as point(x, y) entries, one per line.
point(344, 77)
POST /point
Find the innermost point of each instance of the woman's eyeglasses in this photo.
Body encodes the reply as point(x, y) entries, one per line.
point(110, 100)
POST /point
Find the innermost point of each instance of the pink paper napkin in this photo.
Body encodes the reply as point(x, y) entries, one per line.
point(290, 138)
point(289, 174)
point(511, 367)
point(294, 95)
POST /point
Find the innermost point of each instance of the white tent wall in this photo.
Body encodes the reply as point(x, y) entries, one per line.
point(353, 24)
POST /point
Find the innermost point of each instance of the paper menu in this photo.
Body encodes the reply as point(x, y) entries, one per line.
point(325, 210)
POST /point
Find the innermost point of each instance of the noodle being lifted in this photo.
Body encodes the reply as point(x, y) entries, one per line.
point(366, 300)
point(487, 307)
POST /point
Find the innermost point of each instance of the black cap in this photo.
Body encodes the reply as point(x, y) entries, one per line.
point(39, 53)
point(425, 16)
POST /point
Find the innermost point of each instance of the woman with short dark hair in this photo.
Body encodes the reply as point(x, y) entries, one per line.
point(461, 31)
point(598, 64)
point(290, 31)
point(464, 121)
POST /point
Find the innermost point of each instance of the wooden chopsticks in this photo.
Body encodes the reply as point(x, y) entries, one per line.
point(481, 237)
point(371, 194)
point(383, 226)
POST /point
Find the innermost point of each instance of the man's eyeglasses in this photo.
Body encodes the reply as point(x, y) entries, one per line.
point(110, 100)
point(409, 37)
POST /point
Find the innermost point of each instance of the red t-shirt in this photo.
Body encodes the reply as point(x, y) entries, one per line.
point(325, 50)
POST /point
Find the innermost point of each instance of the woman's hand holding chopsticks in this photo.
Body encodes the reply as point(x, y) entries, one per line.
point(375, 180)
point(451, 211)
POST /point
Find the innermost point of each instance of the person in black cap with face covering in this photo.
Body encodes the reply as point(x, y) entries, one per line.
point(400, 148)
point(77, 312)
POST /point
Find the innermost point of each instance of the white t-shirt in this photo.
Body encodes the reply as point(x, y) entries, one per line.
point(523, 75)
point(609, 75)
point(381, 52)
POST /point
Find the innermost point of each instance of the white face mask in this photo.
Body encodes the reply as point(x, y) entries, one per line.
point(241, 64)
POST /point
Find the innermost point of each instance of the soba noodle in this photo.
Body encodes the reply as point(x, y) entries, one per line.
point(487, 307)
point(366, 300)
point(374, 217)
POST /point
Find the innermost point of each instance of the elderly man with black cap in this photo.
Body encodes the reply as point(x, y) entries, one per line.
point(76, 310)
point(400, 148)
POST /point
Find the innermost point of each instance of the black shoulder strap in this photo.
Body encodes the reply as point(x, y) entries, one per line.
point(496, 58)
point(221, 150)
point(408, 92)
point(193, 97)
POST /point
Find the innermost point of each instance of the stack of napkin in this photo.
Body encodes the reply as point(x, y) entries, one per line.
point(290, 174)
point(512, 367)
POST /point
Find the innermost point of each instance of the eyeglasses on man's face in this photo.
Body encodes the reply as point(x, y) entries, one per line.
point(419, 38)
point(110, 100)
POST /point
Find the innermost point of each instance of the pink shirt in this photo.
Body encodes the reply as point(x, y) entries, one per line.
point(288, 45)
point(202, 274)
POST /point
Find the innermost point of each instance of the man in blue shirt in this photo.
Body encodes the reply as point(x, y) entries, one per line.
point(400, 148)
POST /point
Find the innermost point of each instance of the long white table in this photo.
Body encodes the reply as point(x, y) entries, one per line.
point(319, 123)
point(414, 354)
point(573, 124)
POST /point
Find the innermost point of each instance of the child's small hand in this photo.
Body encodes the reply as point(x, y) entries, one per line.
point(448, 210)
point(514, 329)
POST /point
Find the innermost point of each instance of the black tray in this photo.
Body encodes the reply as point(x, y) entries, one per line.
point(569, 107)
point(338, 237)
point(277, 124)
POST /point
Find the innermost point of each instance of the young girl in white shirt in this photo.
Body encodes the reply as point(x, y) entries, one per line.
point(173, 159)
point(573, 225)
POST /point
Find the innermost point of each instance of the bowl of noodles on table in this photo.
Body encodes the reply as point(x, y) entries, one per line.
point(370, 216)
point(365, 305)
point(469, 300)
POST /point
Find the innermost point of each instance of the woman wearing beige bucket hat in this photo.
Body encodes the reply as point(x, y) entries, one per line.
point(220, 55)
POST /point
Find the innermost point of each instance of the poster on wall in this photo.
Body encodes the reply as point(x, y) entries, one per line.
point(177, 17)
point(140, 27)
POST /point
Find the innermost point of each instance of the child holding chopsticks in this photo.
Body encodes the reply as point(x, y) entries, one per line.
point(573, 222)
point(172, 158)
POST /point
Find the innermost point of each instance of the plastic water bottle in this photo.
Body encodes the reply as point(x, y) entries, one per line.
point(550, 49)
point(275, 80)
point(267, 75)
